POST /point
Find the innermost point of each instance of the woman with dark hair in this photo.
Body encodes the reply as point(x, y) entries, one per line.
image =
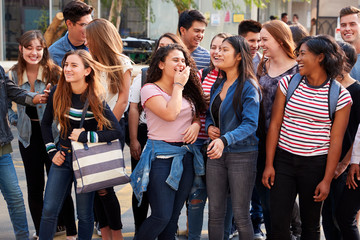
point(231, 124)
point(304, 140)
point(138, 128)
point(33, 71)
point(172, 101)
point(79, 82)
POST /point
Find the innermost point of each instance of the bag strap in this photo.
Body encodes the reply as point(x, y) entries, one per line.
point(293, 84)
point(334, 93)
point(86, 105)
point(205, 72)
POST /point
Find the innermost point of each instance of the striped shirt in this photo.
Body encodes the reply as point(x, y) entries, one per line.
point(201, 57)
point(206, 85)
point(306, 125)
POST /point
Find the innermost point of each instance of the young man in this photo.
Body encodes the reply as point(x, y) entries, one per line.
point(284, 18)
point(250, 30)
point(350, 33)
point(191, 27)
point(9, 185)
point(77, 15)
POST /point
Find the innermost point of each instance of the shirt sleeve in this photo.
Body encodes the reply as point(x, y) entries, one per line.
point(126, 63)
point(344, 99)
point(46, 126)
point(284, 84)
point(135, 89)
point(148, 91)
point(355, 155)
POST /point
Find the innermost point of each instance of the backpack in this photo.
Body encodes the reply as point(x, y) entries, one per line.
point(205, 72)
point(334, 92)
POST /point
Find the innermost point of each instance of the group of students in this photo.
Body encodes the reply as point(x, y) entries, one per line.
point(225, 125)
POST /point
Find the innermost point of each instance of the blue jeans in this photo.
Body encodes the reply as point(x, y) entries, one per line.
point(9, 187)
point(237, 172)
point(57, 188)
point(165, 203)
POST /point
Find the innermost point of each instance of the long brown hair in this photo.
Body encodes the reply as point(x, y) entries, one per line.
point(95, 92)
point(281, 32)
point(51, 71)
point(106, 47)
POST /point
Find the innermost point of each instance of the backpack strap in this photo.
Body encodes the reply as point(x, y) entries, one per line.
point(293, 84)
point(205, 72)
point(143, 75)
point(334, 93)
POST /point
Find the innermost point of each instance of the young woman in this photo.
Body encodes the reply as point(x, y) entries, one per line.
point(278, 61)
point(172, 101)
point(105, 46)
point(231, 124)
point(79, 81)
point(303, 144)
point(138, 128)
point(198, 195)
point(33, 72)
point(342, 201)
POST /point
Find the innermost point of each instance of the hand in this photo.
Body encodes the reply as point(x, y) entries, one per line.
point(213, 132)
point(76, 133)
point(191, 133)
point(353, 175)
point(135, 149)
point(215, 149)
point(322, 191)
point(59, 158)
point(182, 76)
point(42, 98)
point(340, 168)
point(268, 177)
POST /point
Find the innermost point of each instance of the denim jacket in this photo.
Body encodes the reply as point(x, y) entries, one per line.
point(21, 119)
point(10, 90)
point(155, 148)
point(58, 49)
point(240, 134)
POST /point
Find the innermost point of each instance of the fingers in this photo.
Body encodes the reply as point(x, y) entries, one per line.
point(214, 150)
point(59, 158)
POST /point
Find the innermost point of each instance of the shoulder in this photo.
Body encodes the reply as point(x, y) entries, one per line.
point(125, 60)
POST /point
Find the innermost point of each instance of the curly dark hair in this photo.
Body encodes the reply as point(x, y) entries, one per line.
point(333, 62)
point(192, 89)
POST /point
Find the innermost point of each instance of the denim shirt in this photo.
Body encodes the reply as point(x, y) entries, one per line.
point(58, 49)
point(10, 90)
point(240, 134)
point(21, 119)
point(155, 148)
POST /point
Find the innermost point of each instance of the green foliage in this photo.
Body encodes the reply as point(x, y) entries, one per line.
point(43, 21)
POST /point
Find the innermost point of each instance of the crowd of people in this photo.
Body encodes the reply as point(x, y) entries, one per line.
point(264, 127)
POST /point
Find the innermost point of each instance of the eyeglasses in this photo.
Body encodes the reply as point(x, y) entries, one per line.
point(83, 25)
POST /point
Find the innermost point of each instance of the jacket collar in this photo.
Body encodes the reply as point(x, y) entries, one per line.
point(39, 76)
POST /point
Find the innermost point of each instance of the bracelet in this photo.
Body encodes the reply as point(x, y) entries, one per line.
point(178, 83)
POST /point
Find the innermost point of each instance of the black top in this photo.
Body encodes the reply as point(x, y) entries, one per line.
point(31, 112)
point(90, 124)
point(354, 119)
point(215, 110)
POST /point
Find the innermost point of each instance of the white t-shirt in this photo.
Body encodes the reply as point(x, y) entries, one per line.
point(135, 95)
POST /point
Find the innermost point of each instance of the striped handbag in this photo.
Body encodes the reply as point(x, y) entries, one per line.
point(98, 165)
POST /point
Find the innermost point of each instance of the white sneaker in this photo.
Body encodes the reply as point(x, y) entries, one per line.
point(259, 236)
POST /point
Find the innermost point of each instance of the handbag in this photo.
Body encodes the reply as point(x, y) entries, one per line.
point(97, 165)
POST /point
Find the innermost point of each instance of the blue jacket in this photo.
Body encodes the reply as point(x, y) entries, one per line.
point(21, 119)
point(9, 90)
point(58, 49)
point(154, 148)
point(239, 134)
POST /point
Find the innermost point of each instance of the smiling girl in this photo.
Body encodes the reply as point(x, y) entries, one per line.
point(33, 72)
point(78, 82)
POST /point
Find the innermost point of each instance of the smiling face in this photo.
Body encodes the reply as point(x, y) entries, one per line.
point(193, 36)
point(33, 53)
point(214, 50)
point(227, 57)
point(77, 31)
point(350, 28)
point(268, 43)
point(253, 40)
point(74, 69)
point(174, 61)
point(307, 61)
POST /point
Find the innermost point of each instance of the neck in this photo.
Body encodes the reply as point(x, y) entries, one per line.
point(166, 84)
point(231, 75)
point(280, 59)
point(31, 68)
point(78, 87)
point(317, 77)
point(347, 80)
point(74, 41)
